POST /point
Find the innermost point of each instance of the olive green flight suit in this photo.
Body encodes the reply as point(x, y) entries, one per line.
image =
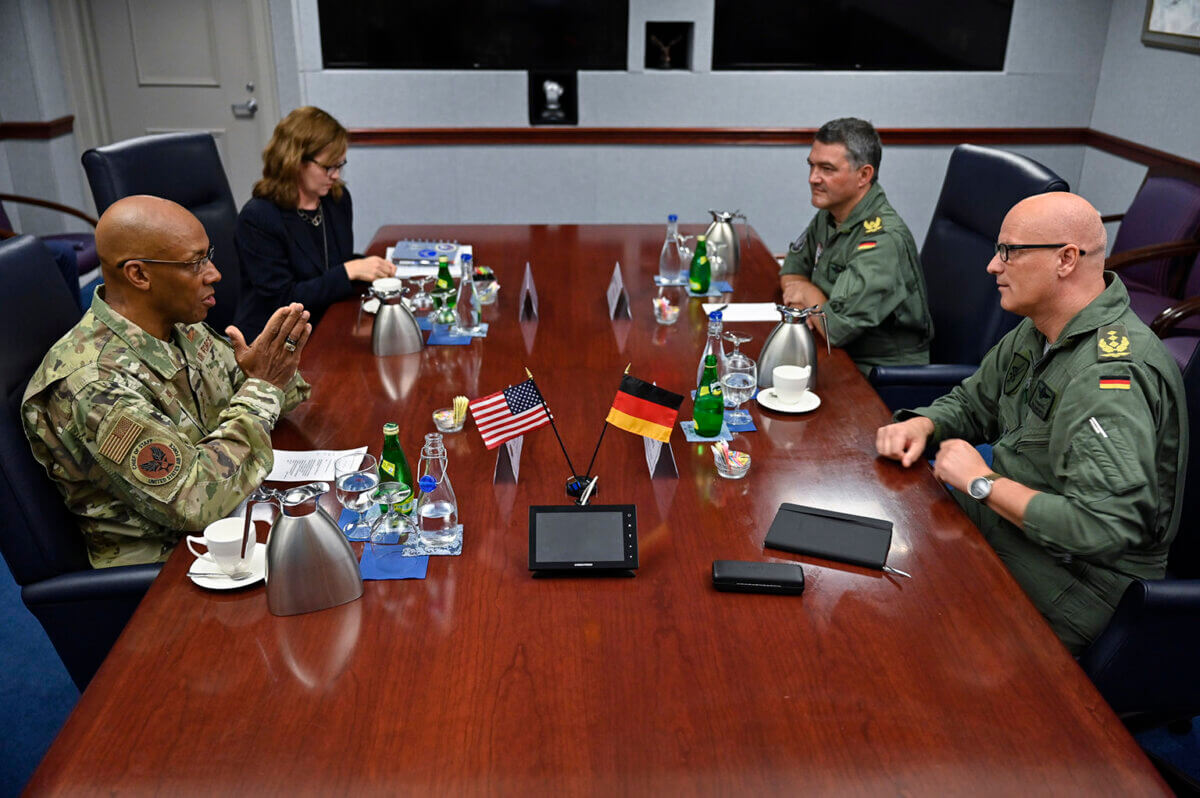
point(1098, 425)
point(869, 268)
point(146, 438)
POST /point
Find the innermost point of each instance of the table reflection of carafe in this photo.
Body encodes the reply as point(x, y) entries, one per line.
point(437, 509)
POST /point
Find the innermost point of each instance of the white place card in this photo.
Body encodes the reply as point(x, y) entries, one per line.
point(529, 300)
point(618, 297)
point(660, 459)
point(508, 461)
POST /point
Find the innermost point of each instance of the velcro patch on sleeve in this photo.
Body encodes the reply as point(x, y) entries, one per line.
point(866, 245)
point(155, 462)
point(1114, 383)
point(121, 438)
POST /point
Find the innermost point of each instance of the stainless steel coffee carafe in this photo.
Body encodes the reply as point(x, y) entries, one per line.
point(725, 234)
point(310, 565)
point(396, 331)
point(790, 344)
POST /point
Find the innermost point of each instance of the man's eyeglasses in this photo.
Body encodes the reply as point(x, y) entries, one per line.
point(329, 169)
point(196, 265)
point(1004, 249)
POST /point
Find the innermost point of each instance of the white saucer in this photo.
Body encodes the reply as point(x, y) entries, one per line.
point(204, 565)
point(808, 401)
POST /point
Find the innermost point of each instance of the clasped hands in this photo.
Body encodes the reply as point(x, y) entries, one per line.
point(275, 354)
point(957, 462)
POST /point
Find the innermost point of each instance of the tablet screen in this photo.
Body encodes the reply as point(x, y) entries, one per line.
point(579, 537)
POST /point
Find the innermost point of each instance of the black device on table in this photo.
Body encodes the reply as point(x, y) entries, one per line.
point(741, 576)
point(573, 540)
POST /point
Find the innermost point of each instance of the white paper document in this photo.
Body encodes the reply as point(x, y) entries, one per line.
point(745, 311)
point(307, 466)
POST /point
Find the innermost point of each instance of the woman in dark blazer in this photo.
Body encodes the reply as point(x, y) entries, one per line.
point(295, 237)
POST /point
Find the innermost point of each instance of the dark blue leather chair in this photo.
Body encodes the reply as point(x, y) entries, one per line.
point(1145, 663)
point(81, 246)
point(82, 610)
point(185, 168)
point(981, 186)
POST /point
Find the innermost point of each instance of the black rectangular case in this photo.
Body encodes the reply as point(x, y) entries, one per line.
point(739, 576)
point(831, 535)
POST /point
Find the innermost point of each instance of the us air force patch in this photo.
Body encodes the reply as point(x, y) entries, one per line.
point(1112, 342)
point(155, 462)
point(1016, 372)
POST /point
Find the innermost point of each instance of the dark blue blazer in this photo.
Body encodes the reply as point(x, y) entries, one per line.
point(282, 263)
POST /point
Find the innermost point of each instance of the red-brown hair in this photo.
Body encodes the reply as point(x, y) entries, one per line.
point(298, 137)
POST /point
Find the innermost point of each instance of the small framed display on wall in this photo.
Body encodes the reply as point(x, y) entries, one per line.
point(1174, 24)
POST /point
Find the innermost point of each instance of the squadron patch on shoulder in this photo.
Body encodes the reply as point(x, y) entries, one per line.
point(155, 462)
point(1112, 342)
point(873, 225)
point(1016, 372)
point(120, 438)
point(798, 244)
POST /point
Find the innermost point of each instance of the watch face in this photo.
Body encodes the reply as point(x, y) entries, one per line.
point(980, 488)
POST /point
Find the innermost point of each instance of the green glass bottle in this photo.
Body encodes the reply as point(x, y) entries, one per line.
point(708, 409)
point(444, 295)
point(700, 273)
point(393, 465)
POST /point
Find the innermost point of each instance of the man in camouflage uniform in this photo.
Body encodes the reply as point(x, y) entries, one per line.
point(148, 421)
point(857, 259)
point(1087, 416)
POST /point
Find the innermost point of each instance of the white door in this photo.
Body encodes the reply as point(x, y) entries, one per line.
point(169, 65)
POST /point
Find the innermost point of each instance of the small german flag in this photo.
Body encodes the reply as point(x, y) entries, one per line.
point(1114, 383)
point(866, 245)
point(644, 409)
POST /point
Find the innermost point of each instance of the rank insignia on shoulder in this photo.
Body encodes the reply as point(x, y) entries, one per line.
point(1112, 342)
point(1114, 383)
point(866, 245)
point(120, 438)
point(873, 225)
point(155, 462)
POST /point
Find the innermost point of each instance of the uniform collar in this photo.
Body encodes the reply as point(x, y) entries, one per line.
point(867, 208)
point(1104, 309)
point(157, 355)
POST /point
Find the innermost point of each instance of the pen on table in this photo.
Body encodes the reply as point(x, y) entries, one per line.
point(1096, 426)
point(889, 569)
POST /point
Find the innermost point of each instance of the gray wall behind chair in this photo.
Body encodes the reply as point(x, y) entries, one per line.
point(1052, 65)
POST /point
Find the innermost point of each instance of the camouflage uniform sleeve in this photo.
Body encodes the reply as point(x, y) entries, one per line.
point(800, 255)
point(154, 469)
point(298, 390)
point(867, 291)
point(1110, 496)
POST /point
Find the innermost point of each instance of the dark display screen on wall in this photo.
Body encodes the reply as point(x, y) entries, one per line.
point(474, 34)
point(860, 34)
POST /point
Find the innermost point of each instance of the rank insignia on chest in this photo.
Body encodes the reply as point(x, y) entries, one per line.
point(1114, 383)
point(866, 245)
point(873, 226)
point(1041, 401)
point(1016, 372)
point(155, 462)
point(1112, 342)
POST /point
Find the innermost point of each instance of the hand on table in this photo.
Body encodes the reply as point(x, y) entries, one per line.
point(369, 268)
point(905, 440)
point(275, 353)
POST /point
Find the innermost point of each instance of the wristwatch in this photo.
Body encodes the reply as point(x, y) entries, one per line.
point(981, 487)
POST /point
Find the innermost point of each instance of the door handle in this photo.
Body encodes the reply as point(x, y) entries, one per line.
point(245, 110)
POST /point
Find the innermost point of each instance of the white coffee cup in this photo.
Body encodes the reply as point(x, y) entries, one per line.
point(223, 539)
point(790, 383)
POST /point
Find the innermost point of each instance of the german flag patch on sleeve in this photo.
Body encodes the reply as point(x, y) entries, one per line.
point(866, 245)
point(1114, 383)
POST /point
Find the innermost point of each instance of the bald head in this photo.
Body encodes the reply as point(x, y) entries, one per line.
point(1062, 217)
point(144, 227)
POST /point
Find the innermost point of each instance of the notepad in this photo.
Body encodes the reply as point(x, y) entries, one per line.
point(831, 535)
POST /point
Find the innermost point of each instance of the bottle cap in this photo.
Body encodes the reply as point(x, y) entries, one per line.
point(427, 484)
point(701, 237)
point(672, 218)
point(714, 316)
point(391, 428)
point(466, 256)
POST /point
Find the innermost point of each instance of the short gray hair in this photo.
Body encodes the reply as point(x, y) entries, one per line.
point(859, 138)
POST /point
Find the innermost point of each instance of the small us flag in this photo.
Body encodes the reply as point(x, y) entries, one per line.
point(506, 414)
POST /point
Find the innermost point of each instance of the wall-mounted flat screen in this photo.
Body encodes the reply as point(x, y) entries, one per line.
point(860, 34)
point(474, 34)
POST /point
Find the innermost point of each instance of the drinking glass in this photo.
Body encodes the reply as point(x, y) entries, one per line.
point(355, 478)
point(716, 261)
point(421, 302)
point(739, 380)
point(668, 303)
point(391, 531)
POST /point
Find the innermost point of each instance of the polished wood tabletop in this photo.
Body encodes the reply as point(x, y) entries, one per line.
point(482, 680)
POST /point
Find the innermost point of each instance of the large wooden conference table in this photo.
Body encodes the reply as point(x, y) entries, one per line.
point(481, 680)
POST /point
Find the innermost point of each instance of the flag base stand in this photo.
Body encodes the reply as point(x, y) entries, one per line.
point(508, 461)
point(660, 459)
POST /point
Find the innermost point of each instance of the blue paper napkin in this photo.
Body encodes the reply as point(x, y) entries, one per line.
point(394, 566)
point(747, 427)
point(425, 323)
point(441, 337)
point(714, 289)
point(658, 280)
point(689, 432)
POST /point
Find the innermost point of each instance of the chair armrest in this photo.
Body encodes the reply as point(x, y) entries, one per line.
point(933, 374)
point(1165, 322)
point(99, 583)
point(54, 206)
point(1168, 249)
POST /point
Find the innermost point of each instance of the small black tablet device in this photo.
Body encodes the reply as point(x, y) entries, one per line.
point(596, 538)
